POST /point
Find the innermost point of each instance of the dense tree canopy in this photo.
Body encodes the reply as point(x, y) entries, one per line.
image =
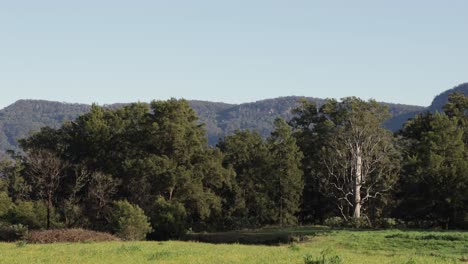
point(147, 170)
point(350, 157)
point(141, 153)
point(434, 181)
point(268, 177)
point(20, 119)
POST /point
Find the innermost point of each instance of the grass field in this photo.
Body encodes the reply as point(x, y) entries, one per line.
point(352, 246)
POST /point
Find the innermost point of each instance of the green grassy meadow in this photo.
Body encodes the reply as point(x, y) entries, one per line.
point(353, 246)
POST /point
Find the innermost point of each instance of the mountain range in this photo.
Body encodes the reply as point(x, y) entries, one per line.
point(26, 116)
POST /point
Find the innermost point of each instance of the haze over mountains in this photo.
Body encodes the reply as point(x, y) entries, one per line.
point(26, 116)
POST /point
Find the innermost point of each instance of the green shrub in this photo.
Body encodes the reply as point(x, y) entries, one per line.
point(168, 219)
point(32, 214)
point(358, 223)
point(388, 223)
point(129, 222)
point(5, 204)
point(423, 224)
point(13, 232)
point(334, 222)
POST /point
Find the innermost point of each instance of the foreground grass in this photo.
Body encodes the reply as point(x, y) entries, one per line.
point(352, 246)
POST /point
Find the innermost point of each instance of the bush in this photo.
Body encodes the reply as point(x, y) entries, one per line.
point(424, 224)
point(11, 233)
point(69, 235)
point(358, 223)
point(168, 219)
point(32, 214)
point(334, 222)
point(388, 223)
point(5, 204)
point(129, 222)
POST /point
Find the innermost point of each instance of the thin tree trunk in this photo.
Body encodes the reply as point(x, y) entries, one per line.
point(49, 206)
point(171, 191)
point(281, 202)
point(281, 213)
point(358, 184)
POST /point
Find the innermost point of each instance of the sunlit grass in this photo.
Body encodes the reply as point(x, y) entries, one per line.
point(389, 246)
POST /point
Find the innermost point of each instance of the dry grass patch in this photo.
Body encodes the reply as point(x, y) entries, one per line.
point(69, 235)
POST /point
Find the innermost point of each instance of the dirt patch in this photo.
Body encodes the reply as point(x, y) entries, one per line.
point(69, 235)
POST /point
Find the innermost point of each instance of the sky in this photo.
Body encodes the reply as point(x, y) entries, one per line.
point(107, 51)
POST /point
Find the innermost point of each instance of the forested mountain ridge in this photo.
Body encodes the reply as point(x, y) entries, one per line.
point(26, 116)
point(325, 162)
point(441, 99)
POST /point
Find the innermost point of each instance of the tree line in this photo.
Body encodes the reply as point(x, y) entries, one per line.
point(147, 170)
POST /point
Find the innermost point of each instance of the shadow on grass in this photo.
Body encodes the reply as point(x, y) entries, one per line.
point(279, 236)
point(264, 236)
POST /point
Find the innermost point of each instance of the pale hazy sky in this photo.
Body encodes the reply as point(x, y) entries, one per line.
point(108, 51)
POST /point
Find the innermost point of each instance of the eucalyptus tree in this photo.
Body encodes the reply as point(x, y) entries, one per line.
point(360, 156)
point(355, 159)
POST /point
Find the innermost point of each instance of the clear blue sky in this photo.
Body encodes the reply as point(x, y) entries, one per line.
point(109, 51)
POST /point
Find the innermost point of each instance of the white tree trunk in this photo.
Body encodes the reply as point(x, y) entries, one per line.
point(358, 184)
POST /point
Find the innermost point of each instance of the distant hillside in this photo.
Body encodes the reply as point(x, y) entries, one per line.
point(259, 115)
point(26, 116)
point(396, 122)
point(442, 98)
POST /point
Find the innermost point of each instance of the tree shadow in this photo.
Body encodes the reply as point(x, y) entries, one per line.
point(264, 236)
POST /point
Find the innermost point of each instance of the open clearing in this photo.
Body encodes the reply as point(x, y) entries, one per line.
point(353, 246)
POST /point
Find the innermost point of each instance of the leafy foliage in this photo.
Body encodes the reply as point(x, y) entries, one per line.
point(24, 117)
point(129, 222)
point(5, 204)
point(332, 158)
point(268, 183)
point(31, 214)
point(168, 219)
point(286, 174)
point(350, 158)
point(335, 221)
point(435, 180)
point(11, 233)
point(139, 152)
